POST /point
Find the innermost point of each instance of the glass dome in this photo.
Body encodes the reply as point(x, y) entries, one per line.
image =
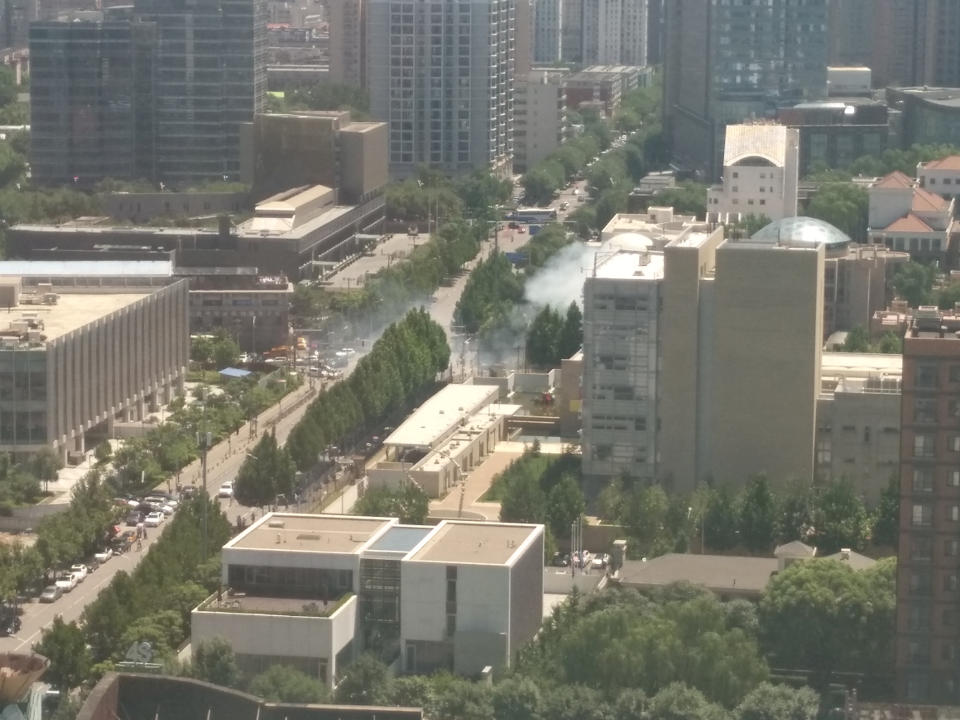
point(803, 232)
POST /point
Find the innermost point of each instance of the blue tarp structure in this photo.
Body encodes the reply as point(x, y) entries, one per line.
point(234, 372)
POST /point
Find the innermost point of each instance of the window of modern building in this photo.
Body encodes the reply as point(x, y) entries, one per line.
point(921, 548)
point(926, 376)
point(923, 480)
point(922, 515)
point(924, 445)
point(925, 410)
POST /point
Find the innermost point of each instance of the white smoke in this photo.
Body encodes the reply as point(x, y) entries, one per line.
point(560, 281)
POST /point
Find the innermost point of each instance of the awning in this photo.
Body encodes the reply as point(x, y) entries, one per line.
point(234, 372)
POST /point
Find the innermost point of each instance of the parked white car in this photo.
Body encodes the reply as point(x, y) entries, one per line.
point(67, 581)
point(226, 490)
point(81, 571)
point(153, 519)
point(102, 557)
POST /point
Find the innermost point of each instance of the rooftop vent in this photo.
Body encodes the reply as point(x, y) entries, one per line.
point(276, 524)
point(308, 536)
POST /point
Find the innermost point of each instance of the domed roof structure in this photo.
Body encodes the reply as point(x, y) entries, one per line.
point(803, 232)
point(628, 242)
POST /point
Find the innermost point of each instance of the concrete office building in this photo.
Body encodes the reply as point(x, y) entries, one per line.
point(547, 31)
point(602, 86)
point(571, 31)
point(609, 32)
point(159, 94)
point(708, 46)
point(540, 116)
point(927, 631)
point(691, 355)
point(314, 591)
point(760, 174)
point(463, 119)
point(855, 284)
point(523, 38)
point(280, 151)
point(858, 420)
point(75, 357)
point(904, 216)
point(347, 50)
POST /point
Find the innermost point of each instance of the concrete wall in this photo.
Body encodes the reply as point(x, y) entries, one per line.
point(109, 367)
point(766, 345)
point(526, 596)
point(280, 635)
point(140, 207)
point(535, 381)
point(363, 160)
point(680, 338)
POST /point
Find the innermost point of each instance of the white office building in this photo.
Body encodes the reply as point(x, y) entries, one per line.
point(313, 591)
point(611, 32)
point(760, 174)
point(441, 75)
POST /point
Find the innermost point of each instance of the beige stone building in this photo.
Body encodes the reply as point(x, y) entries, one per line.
point(721, 380)
point(347, 42)
point(75, 357)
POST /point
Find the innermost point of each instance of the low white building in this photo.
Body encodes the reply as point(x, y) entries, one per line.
point(444, 439)
point(760, 174)
point(659, 225)
point(313, 591)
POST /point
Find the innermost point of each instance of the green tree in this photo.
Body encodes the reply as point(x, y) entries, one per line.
point(365, 682)
point(913, 282)
point(857, 340)
point(681, 702)
point(843, 205)
point(571, 336)
point(779, 702)
point(287, 685)
point(840, 519)
point(890, 343)
point(266, 472)
point(215, 662)
point(226, 352)
point(201, 349)
point(8, 85)
point(103, 452)
point(722, 520)
point(409, 503)
point(540, 185)
point(688, 198)
point(886, 518)
point(631, 704)
point(565, 503)
point(823, 616)
point(543, 338)
point(758, 515)
point(64, 646)
point(795, 513)
point(517, 698)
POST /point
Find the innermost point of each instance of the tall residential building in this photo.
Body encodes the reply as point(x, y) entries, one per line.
point(547, 31)
point(760, 173)
point(159, 95)
point(690, 356)
point(727, 62)
point(347, 46)
point(540, 115)
point(571, 27)
point(928, 581)
point(612, 32)
point(655, 12)
point(523, 38)
point(441, 76)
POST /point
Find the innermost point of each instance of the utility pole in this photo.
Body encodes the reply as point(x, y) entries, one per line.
point(203, 440)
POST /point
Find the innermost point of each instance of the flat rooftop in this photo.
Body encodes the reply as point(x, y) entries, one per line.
point(833, 363)
point(310, 533)
point(86, 268)
point(473, 542)
point(715, 572)
point(441, 414)
point(627, 265)
point(72, 311)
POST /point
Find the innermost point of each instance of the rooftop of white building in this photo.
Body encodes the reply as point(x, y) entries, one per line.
point(626, 265)
point(440, 415)
point(290, 532)
point(475, 543)
point(764, 141)
point(71, 312)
